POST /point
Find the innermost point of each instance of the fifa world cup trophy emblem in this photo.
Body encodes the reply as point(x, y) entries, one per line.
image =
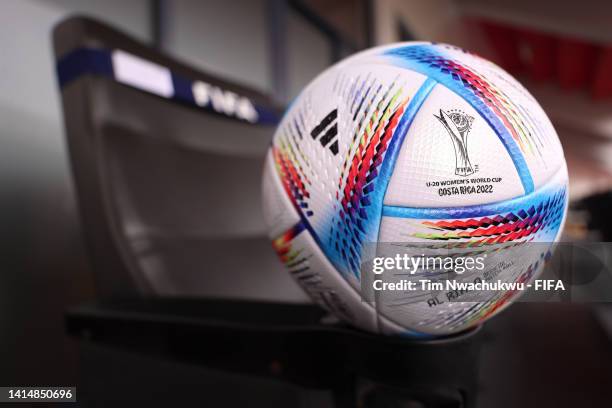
point(458, 125)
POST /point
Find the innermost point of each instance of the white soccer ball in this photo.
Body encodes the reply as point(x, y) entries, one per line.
point(415, 143)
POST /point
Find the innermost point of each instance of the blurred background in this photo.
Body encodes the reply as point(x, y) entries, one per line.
point(561, 51)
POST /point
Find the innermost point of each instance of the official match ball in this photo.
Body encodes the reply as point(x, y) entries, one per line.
point(415, 145)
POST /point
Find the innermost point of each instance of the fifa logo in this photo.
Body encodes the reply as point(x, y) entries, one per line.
point(458, 125)
point(224, 102)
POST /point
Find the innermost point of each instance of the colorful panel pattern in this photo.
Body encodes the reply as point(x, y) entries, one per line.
point(293, 177)
point(480, 311)
point(349, 229)
point(377, 113)
point(494, 106)
point(338, 146)
point(540, 219)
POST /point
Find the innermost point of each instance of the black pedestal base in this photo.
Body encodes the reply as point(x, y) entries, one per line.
point(289, 343)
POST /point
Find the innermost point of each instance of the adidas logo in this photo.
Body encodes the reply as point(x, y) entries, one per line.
point(328, 127)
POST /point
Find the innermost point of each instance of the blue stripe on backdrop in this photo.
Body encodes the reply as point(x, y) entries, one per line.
point(82, 62)
point(95, 61)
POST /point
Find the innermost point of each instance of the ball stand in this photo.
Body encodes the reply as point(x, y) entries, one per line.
point(290, 343)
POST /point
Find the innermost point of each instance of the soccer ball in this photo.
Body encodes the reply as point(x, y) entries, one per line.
point(414, 144)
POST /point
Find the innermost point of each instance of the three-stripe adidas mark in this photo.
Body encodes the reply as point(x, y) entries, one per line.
point(329, 128)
